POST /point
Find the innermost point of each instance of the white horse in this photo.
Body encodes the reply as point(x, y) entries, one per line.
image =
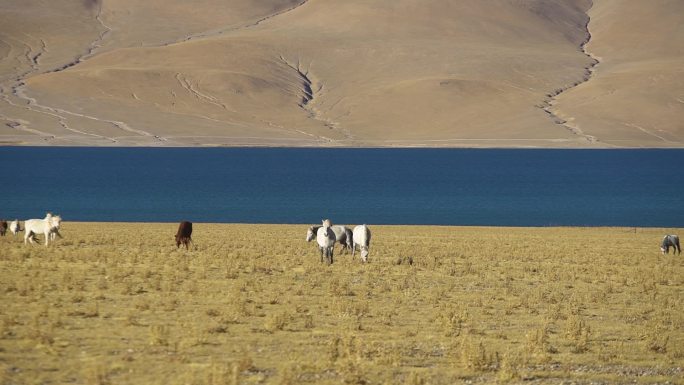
point(325, 237)
point(362, 237)
point(54, 231)
point(342, 235)
point(14, 227)
point(48, 227)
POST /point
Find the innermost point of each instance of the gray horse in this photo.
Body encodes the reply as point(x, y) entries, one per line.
point(342, 234)
point(670, 240)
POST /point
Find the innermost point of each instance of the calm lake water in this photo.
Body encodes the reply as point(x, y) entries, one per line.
point(376, 186)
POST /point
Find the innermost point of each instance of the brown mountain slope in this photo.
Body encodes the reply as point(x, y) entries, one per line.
point(636, 94)
point(316, 72)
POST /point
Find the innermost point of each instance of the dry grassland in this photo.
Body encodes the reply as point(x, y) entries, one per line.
point(119, 304)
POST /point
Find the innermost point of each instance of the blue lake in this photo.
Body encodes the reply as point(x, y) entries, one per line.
point(496, 187)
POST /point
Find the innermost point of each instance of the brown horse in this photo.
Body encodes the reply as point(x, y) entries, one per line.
point(184, 234)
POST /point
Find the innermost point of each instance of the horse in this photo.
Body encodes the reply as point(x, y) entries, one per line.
point(3, 228)
point(670, 240)
point(48, 226)
point(54, 232)
point(342, 234)
point(14, 227)
point(183, 235)
point(325, 237)
point(362, 237)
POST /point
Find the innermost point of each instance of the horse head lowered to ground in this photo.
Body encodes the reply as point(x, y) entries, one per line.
point(362, 237)
point(184, 234)
point(670, 241)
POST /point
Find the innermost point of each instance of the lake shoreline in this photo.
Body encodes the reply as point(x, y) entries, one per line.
point(624, 229)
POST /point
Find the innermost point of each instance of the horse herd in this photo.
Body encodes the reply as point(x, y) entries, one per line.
point(326, 236)
point(48, 226)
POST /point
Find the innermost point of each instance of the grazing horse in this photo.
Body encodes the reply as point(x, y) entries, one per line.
point(54, 231)
point(3, 228)
point(48, 226)
point(670, 240)
point(342, 234)
point(325, 237)
point(362, 237)
point(184, 234)
point(14, 227)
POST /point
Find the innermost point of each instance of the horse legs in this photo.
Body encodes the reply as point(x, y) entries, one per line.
point(31, 237)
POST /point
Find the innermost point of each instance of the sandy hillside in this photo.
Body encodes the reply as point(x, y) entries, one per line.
point(353, 73)
point(636, 95)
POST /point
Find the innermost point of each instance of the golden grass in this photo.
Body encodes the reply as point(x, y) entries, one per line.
point(117, 303)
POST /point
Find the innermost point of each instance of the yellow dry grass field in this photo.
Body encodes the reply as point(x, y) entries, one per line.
point(117, 303)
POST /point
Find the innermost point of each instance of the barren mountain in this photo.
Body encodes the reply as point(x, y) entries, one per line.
point(462, 73)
